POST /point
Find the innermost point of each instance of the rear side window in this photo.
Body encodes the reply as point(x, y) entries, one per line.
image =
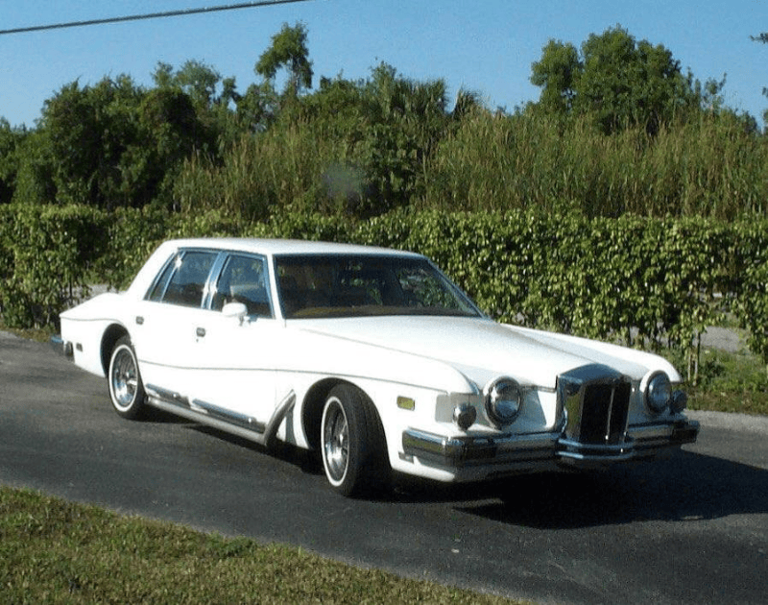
point(184, 279)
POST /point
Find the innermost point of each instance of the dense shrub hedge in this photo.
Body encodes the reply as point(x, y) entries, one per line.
point(650, 282)
point(750, 270)
point(46, 256)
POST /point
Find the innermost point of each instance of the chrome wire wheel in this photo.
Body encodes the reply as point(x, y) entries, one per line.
point(335, 441)
point(352, 442)
point(125, 387)
point(124, 378)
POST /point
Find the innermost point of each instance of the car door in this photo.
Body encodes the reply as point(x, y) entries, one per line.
point(165, 334)
point(236, 353)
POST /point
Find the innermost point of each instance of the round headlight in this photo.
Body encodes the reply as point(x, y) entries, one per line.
point(658, 392)
point(503, 400)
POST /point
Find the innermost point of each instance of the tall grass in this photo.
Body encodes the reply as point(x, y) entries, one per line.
point(709, 168)
point(287, 167)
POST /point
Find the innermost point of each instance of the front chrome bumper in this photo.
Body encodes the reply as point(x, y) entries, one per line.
point(457, 452)
point(510, 451)
point(641, 441)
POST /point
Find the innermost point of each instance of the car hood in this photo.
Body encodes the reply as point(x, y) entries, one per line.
point(482, 349)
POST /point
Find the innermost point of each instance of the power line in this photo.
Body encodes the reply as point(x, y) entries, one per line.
point(176, 13)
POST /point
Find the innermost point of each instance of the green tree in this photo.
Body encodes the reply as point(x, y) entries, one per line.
point(111, 145)
point(196, 79)
point(555, 73)
point(288, 51)
point(169, 131)
point(615, 80)
point(34, 183)
point(214, 99)
point(89, 129)
point(764, 39)
point(258, 107)
point(404, 122)
point(10, 141)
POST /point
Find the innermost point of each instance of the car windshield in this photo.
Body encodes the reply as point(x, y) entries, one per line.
point(366, 285)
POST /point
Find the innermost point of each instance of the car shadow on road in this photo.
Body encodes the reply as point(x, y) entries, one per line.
point(307, 461)
point(685, 487)
point(153, 415)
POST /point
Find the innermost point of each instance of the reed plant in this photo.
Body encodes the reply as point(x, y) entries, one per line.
point(293, 167)
point(709, 167)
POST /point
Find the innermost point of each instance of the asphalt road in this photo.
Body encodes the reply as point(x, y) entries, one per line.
point(689, 529)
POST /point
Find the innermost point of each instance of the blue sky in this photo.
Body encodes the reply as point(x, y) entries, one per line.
point(486, 46)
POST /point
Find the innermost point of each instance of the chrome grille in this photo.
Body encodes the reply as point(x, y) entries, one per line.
point(596, 401)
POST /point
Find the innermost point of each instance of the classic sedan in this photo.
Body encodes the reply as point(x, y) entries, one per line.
point(371, 357)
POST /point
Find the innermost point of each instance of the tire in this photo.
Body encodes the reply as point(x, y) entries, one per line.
point(126, 390)
point(352, 442)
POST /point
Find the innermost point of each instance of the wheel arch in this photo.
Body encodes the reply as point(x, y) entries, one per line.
point(111, 335)
point(312, 408)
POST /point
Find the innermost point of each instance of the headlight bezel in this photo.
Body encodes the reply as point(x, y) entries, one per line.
point(503, 398)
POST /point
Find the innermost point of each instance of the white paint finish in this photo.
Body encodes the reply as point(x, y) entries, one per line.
point(248, 366)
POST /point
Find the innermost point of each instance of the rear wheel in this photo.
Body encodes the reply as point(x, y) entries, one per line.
point(125, 387)
point(352, 442)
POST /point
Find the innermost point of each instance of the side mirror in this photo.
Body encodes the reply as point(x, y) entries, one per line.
point(235, 309)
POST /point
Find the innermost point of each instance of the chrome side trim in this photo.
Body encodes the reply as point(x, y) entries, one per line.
point(246, 422)
point(170, 396)
point(219, 418)
point(281, 411)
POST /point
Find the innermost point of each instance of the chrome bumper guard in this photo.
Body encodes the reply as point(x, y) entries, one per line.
point(62, 347)
point(464, 451)
point(641, 441)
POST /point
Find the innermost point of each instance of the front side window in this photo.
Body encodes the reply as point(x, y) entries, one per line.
point(359, 285)
point(184, 279)
point(244, 279)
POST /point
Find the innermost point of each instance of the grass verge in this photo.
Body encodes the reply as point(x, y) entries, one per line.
point(53, 551)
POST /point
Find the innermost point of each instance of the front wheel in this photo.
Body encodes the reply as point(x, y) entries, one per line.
point(125, 387)
point(352, 442)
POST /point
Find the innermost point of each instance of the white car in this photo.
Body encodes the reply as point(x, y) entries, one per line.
point(373, 358)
